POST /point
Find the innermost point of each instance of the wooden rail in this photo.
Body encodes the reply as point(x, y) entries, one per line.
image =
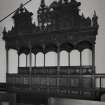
point(53, 70)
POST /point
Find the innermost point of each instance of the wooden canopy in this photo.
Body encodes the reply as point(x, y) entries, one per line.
point(59, 25)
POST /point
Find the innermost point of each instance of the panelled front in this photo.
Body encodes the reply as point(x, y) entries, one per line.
point(53, 81)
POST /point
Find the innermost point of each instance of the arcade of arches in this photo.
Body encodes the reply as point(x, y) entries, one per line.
point(73, 58)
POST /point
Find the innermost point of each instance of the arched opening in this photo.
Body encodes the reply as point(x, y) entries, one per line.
point(63, 58)
point(51, 59)
point(39, 59)
point(86, 57)
point(75, 58)
point(22, 62)
point(13, 61)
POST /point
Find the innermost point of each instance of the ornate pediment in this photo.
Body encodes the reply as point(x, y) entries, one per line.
point(63, 15)
point(22, 20)
point(59, 22)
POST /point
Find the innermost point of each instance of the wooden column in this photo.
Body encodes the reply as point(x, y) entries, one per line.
point(35, 60)
point(18, 58)
point(30, 68)
point(100, 83)
point(93, 57)
point(80, 71)
point(68, 58)
point(18, 53)
point(44, 55)
point(58, 56)
point(93, 66)
point(80, 58)
point(7, 61)
point(26, 60)
point(30, 60)
point(44, 60)
point(30, 65)
point(58, 65)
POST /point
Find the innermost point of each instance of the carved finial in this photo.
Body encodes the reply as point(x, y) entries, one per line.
point(72, 0)
point(21, 5)
point(42, 18)
point(82, 15)
point(42, 3)
point(53, 4)
point(12, 27)
point(21, 8)
point(4, 31)
point(34, 24)
point(60, 1)
point(95, 19)
point(76, 3)
point(65, 1)
point(94, 15)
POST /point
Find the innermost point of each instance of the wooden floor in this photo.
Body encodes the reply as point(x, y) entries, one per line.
point(44, 100)
point(59, 101)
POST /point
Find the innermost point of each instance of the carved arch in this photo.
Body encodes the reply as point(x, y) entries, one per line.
point(84, 45)
point(66, 46)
